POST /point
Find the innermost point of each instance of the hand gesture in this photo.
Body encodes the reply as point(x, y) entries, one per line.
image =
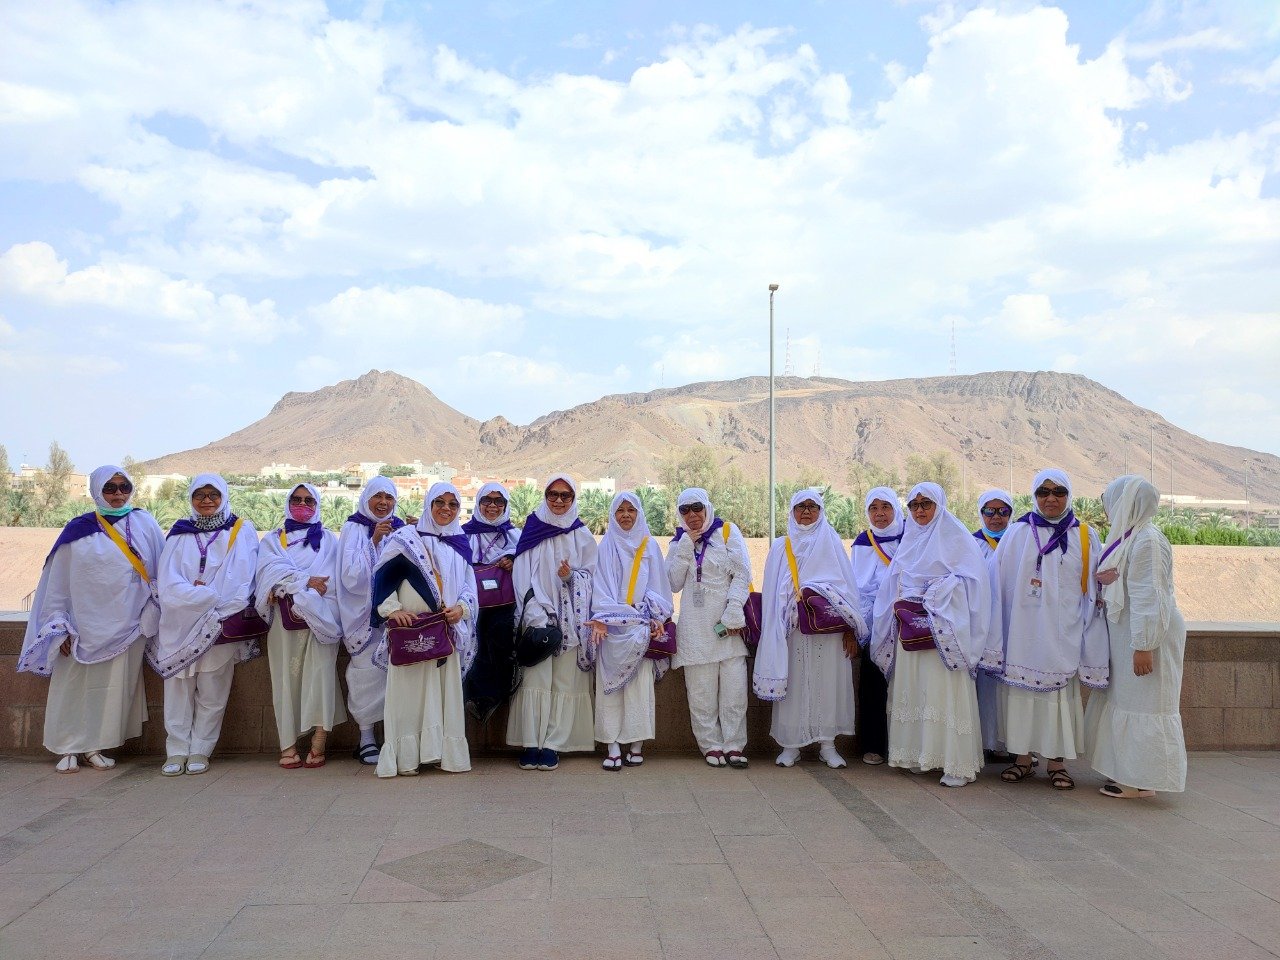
point(1108, 577)
point(505, 563)
point(402, 618)
point(598, 631)
point(319, 584)
point(564, 570)
point(380, 530)
point(655, 629)
point(453, 614)
point(1143, 663)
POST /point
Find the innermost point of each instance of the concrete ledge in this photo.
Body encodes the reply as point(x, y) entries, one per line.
point(1230, 701)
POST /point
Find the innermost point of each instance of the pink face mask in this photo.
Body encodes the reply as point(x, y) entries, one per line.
point(301, 512)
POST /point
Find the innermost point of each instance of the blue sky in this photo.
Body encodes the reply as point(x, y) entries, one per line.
point(528, 205)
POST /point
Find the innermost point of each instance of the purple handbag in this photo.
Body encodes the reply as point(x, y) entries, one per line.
point(494, 586)
point(427, 638)
point(245, 625)
point(753, 615)
point(816, 615)
point(288, 618)
point(665, 645)
point(915, 632)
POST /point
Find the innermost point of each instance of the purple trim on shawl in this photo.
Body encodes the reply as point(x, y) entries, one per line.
point(360, 518)
point(315, 532)
point(535, 531)
point(85, 525)
point(716, 524)
point(474, 526)
point(186, 526)
point(1060, 529)
point(459, 543)
point(863, 539)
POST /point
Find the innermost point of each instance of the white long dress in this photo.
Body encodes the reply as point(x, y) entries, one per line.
point(1133, 729)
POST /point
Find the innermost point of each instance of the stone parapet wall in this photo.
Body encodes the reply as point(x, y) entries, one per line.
point(1230, 701)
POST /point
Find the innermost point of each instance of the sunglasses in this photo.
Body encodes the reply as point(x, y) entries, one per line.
point(997, 512)
point(558, 497)
point(302, 501)
point(492, 502)
point(213, 497)
point(691, 508)
point(1052, 492)
point(917, 505)
point(443, 504)
point(110, 487)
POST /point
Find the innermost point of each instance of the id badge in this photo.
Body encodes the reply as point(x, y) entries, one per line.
point(1035, 589)
point(699, 597)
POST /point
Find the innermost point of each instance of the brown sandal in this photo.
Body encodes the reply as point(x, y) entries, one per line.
point(1016, 773)
point(1061, 780)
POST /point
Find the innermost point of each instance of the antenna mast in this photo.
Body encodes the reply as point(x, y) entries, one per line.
point(787, 371)
point(953, 348)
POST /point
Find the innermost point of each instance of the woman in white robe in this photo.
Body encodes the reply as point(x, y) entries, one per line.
point(630, 601)
point(359, 545)
point(92, 616)
point(870, 553)
point(1051, 636)
point(297, 570)
point(556, 560)
point(207, 573)
point(493, 537)
point(809, 679)
point(995, 510)
point(708, 564)
point(1133, 729)
point(420, 570)
point(933, 703)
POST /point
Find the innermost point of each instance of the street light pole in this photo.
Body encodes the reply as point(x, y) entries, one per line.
point(773, 500)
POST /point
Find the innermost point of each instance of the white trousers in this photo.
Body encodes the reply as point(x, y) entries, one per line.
point(366, 687)
point(552, 708)
point(193, 709)
point(717, 695)
point(626, 716)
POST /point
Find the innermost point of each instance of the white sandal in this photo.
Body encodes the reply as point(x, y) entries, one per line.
point(68, 764)
point(98, 761)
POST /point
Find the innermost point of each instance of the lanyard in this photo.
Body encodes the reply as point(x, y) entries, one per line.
point(125, 544)
point(203, 547)
point(1107, 552)
point(698, 555)
point(884, 557)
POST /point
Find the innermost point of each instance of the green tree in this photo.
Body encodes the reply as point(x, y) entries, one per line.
point(410, 505)
point(658, 506)
point(173, 489)
point(53, 479)
point(5, 471)
point(862, 478)
point(524, 500)
point(593, 510)
point(132, 467)
point(390, 471)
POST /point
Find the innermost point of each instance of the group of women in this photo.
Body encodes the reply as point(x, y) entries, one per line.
point(972, 646)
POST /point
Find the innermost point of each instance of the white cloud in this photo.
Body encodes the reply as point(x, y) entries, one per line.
point(412, 312)
point(1210, 38)
point(1263, 81)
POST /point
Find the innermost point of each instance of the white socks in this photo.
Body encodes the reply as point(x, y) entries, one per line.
point(827, 751)
point(788, 757)
point(367, 738)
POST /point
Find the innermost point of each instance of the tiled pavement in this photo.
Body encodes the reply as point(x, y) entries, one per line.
point(671, 860)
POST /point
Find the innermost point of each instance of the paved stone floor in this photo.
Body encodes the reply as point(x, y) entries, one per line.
point(671, 860)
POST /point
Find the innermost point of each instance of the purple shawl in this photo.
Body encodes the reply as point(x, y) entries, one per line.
point(716, 524)
point(535, 531)
point(85, 525)
point(456, 540)
point(360, 518)
point(315, 532)
point(1060, 529)
point(477, 527)
point(863, 539)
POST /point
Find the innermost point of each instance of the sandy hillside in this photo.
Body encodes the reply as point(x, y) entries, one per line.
point(1214, 583)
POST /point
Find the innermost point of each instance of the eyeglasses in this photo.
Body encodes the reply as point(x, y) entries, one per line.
point(558, 496)
point(213, 497)
point(997, 511)
point(110, 487)
point(915, 506)
point(1052, 492)
point(443, 504)
point(691, 508)
point(807, 507)
point(492, 502)
point(302, 501)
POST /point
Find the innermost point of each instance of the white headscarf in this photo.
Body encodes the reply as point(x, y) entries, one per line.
point(224, 508)
point(427, 523)
point(695, 495)
point(495, 543)
point(940, 562)
point(1132, 503)
point(890, 497)
point(357, 554)
point(285, 569)
point(1059, 478)
point(100, 477)
point(489, 489)
point(822, 565)
point(543, 512)
point(378, 484)
point(628, 638)
point(537, 568)
point(995, 493)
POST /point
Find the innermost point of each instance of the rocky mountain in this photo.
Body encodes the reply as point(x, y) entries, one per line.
point(988, 421)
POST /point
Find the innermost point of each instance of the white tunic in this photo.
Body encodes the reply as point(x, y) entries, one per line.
point(724, 585)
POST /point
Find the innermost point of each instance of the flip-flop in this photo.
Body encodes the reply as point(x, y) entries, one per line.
point(68, 764)
point(290, 761)
point(314, 761)
point(367, 754)
point(98, 761)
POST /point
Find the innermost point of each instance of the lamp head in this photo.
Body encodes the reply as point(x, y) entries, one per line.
point(773, 287)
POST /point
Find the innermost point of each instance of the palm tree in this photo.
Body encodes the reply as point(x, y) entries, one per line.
point(657, 510)
point(593, 509)
point(524, 500)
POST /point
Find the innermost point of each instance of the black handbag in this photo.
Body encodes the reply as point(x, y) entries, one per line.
point(535, 644)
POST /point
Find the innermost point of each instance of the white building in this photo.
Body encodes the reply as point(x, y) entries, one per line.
point(606, 485)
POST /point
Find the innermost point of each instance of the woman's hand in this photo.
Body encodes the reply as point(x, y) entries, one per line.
point(564, 570)
point(319, 584)
point(598, 631)
point(66, 646)
point(380, 530)
point(1107, 577)
point(199, 583)
point(1143, 663)
point(403, 618)
point(850, 644)
point(453, 614)
point(655, 629)
point(505, 563)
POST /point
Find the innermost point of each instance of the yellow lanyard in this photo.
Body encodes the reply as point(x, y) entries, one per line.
point(1084, 549)
point(992, 542)
point(884, 557)
point(635, 571)
point(123, 544)
point(795, 570)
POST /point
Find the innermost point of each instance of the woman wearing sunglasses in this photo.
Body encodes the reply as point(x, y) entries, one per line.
point(708, 565)
point(933, 704)
point(295, 592)
point(427, 569)
point(1050, 637)
point(93, 613)
point(207, 573)
point(808, 676)
point(493, 537)
point(359, 545)
point(553, 573)
point(995, 509)
point(871, 553)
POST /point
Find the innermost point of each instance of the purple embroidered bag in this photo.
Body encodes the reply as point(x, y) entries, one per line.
point(915, 632)
point(289, 619)
point(427, 638)
point(817, 615)
point(753, 614)
point(665, 645)
point(494, 586)
point(245, 625)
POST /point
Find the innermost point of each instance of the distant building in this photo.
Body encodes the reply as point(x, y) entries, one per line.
point(149, 485)
point(606, 485)
point(77, 483)
point(282, 471)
